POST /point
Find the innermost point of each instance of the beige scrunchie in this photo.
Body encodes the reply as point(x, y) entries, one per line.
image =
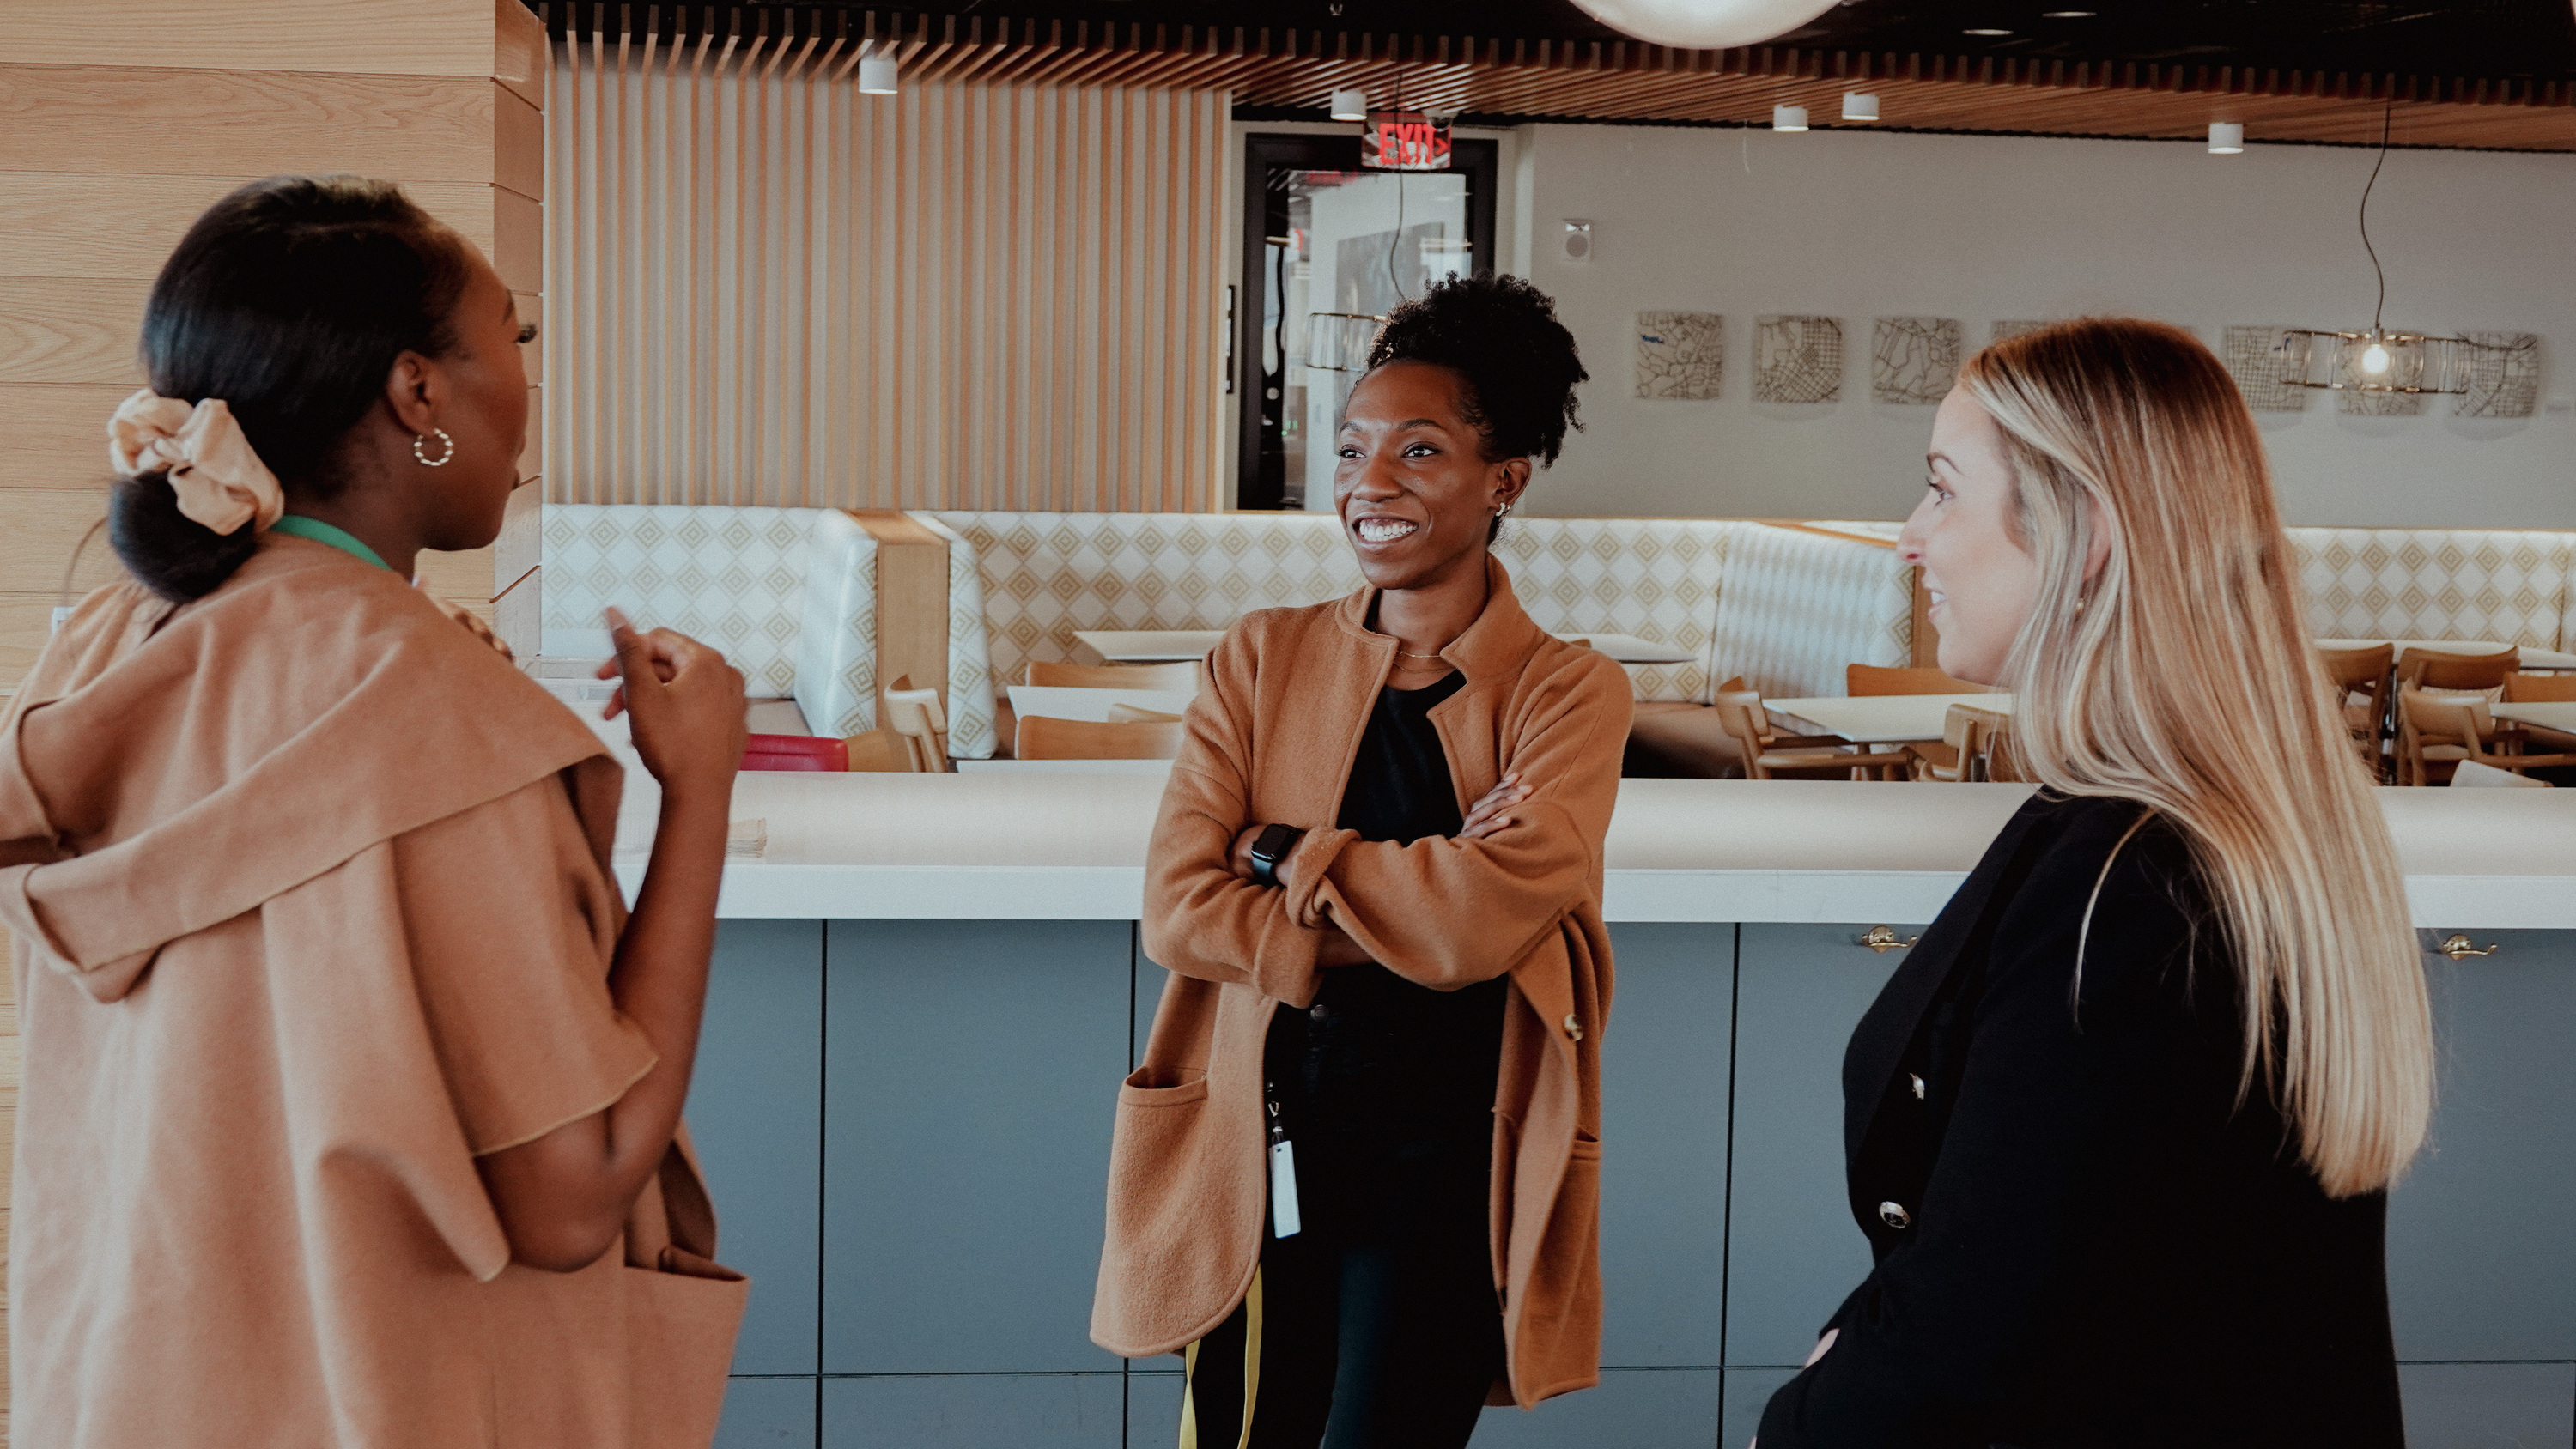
point(220, 480)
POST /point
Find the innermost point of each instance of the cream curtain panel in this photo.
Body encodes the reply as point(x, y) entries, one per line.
point(765, 288)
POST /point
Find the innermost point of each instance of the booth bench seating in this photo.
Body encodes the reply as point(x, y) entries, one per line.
point(794, 596)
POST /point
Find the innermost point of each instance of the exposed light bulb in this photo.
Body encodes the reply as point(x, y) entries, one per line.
point(2374, 359)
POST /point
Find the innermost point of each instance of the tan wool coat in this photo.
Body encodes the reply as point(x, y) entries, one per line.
point(312, 906)
point(1271, 740)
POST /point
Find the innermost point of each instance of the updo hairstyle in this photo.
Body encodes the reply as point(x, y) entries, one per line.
point(1501, 337)
point(289, 299)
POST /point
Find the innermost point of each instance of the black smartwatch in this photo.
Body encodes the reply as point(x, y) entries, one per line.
point(1269, 848)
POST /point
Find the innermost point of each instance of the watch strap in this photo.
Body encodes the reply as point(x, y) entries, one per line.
point(1269, 848)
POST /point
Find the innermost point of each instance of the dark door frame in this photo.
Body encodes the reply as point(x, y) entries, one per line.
point(1478, 160)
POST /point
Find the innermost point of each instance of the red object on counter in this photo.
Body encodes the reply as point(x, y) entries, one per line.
point(794, 752)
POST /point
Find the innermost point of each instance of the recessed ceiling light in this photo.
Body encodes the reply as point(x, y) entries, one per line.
point(1985, 32)
point(2066, 15)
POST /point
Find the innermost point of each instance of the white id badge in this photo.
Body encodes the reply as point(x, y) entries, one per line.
point(1283, 1190)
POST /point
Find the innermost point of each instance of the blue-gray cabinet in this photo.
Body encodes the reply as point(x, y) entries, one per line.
point(906, 1124)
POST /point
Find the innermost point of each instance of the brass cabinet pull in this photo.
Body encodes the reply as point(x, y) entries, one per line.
point(1883, 940)
point(2458, 948)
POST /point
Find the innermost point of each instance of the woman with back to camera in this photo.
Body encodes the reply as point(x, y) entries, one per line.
point(2120, 1129)
point(351, 1093)
point(1376, 881)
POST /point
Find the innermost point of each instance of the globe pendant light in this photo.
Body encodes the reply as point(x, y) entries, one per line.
point(1705, 24)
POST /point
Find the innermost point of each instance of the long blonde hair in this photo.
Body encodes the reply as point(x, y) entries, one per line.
point(2183, 677)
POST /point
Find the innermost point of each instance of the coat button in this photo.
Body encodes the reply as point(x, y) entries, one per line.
point(1895, 1216)
point(1573, 1028)
point(1918, 1085)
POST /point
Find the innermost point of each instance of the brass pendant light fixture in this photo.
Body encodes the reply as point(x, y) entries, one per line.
point(2377, 361)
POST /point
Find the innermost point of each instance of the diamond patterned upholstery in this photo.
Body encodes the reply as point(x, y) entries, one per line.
point(736, 578)
point(973, 727)
point(1794, 607)
point(1655, 578)
point(2392, 583)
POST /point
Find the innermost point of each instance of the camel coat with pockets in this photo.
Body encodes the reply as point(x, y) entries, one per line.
point(312, 906)
point(1270, 740)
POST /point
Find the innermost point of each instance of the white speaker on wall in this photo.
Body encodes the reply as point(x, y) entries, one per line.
point(1578, 239)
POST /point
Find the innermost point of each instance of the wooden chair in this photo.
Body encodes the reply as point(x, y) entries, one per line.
point(1042, 738)
point(915, 714)
point(2442, 732)
point(1954, 758)
point(1130, 714)
point(1674, 740)
point(1873, 679)
point(1769, 755)
point(1994, 757)
point(1181, 675)
point(2434, 669)
point(2360, 680)
point(879, 751)
point(2540, 689)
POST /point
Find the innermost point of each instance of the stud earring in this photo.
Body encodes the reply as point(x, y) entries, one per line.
point(446, 442)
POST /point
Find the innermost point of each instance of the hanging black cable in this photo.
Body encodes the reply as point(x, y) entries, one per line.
point(2387, 118)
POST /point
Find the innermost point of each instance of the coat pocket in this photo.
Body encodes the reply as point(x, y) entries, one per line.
point(680, 1326)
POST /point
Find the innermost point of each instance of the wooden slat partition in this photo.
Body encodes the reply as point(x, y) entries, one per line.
point(912, 602)
point(770, 289)
point(120, 120)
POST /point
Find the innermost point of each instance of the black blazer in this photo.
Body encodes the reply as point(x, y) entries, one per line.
point(2081, 1237)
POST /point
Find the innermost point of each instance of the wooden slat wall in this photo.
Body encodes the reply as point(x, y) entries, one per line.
point(119, 121)
point(770, 289)
point(103, 166)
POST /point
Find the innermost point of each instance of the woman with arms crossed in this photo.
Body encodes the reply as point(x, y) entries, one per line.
point(351, 1097)
point(2120, 1129)
point(1376, 881)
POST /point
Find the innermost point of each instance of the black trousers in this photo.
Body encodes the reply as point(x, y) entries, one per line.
point(1378, 1328)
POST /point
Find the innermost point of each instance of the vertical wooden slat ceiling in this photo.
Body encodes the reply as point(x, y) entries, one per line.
point(1620, 81)
point(768, 288)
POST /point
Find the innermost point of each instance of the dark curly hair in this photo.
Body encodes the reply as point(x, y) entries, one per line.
point(1501, 335)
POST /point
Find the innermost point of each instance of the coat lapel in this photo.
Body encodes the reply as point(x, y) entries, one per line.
point(1878, 1043)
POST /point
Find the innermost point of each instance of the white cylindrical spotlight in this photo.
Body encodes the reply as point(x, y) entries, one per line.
point(877, 74)
point(1788, 118)
point(2226, 138)
point(1860, 106)
point(1350, 104)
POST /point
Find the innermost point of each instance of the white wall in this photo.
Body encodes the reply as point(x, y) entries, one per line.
point(1861, 225)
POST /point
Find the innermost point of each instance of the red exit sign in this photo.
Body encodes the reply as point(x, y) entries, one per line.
point(1404, 141)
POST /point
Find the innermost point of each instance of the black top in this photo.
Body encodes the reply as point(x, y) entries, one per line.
point(1387, 1085)
point(2080, 1238)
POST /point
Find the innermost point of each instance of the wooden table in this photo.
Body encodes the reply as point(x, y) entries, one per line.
point(1163, 646)
point(1048, 701)
point(1877, 719)
point(2531, 657)
point(2548, 715)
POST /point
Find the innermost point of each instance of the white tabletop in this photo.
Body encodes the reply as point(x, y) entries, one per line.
point(1149, 646)
point(1064, 767)
point(1878, 719)
point(2548, 714)
point(2532, 657)
point(1161, 646)
point(1051, 701)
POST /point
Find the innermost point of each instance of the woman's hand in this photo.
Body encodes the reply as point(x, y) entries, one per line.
point(1239, 859)
point(683, 702)
point(1487, 816)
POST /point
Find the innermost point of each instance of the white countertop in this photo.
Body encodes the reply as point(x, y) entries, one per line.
point(1071, 847)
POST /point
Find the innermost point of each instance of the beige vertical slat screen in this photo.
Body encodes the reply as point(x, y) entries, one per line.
point(766, 288)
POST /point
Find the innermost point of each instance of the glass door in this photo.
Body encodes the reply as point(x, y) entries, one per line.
point(1329, 250)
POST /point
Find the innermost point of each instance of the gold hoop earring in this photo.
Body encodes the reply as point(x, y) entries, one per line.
point(443, 459)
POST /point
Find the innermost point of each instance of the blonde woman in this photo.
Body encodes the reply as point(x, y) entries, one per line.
point(2121, 1128)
